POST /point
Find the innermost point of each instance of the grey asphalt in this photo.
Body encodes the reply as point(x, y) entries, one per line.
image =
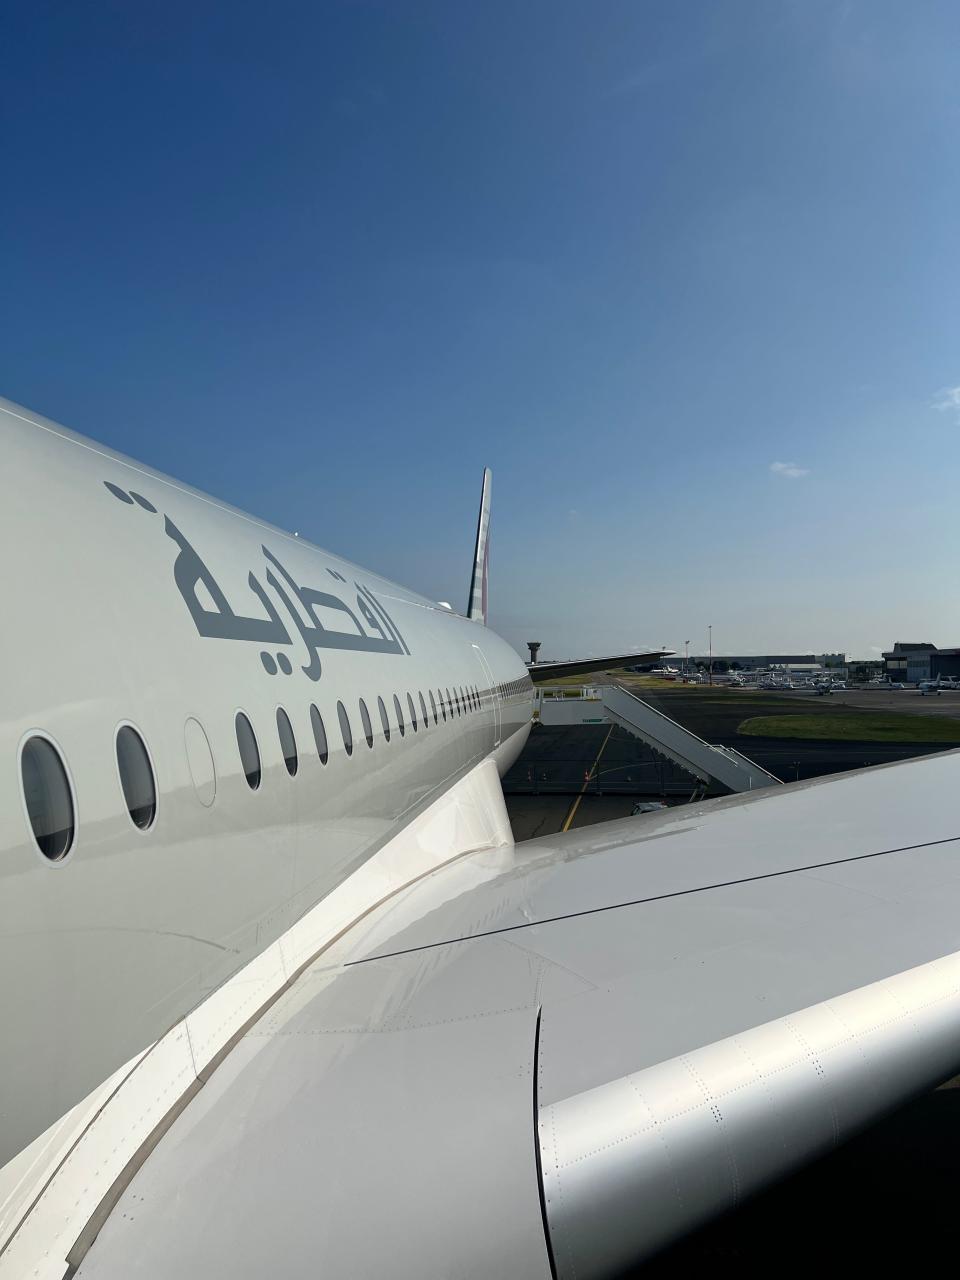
point(557, 758)
point(946, 703)
point(532, 816)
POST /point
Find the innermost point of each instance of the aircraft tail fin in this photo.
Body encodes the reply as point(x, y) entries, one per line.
point(477, 602)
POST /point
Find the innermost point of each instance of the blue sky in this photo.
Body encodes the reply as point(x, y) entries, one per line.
point(329, 260)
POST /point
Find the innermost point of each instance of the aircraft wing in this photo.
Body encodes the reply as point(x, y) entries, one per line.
point(541, 672)
point(554, 1058)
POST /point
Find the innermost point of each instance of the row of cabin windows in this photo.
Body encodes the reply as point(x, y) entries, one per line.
point(514, 688)
point(460, 702)
point(48, 795)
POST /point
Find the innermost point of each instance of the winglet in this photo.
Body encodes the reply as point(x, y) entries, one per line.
point(477, 602)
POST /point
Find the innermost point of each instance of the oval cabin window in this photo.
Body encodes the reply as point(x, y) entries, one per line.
point(365, 721)
point(319, 734)
point(288, 743)
point(136, 777)
point(249, 751)
point(46, 791)
point(345, 729)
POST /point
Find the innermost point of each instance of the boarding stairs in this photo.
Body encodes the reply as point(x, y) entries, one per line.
point(613, 704)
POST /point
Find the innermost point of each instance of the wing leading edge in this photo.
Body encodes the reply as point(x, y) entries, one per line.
point(541, 672)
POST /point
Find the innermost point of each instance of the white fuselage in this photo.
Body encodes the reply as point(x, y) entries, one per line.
point(172, 615)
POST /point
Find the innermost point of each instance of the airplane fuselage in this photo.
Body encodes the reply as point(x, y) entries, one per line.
point(134, 601)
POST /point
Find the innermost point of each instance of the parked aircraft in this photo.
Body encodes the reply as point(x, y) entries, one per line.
point(280, 994)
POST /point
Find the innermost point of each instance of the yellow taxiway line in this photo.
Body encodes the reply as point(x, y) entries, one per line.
point(572, 813)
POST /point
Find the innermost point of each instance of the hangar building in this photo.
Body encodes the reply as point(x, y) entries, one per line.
point(912, 663)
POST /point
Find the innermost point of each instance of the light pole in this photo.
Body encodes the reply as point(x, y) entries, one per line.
point(686, 657)
point(710, 634)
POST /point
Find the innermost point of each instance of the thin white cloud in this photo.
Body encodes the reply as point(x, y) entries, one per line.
point(947, 400)
point(789, 470)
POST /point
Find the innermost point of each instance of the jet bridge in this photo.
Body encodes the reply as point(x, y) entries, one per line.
point(613, 704)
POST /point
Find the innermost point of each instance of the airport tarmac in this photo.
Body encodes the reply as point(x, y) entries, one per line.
point(716, 715)
point(545, 815)
point(910, 701)
point(616, 766)
point(865, 698)
point(557, 758)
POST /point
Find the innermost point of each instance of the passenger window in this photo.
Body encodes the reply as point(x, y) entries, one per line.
point(249, 752)
point(399, 711)
point(423, 709)
point(443, 705)
point(365, 721)
point(345, 729)
point(413, 713)
point(433, 706)
point(450, 704)
point(319, 734)
point(288, 743)
point(136, 777)
point(47, 793)
point(384, 720)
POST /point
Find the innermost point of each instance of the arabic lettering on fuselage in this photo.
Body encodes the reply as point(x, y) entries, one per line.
point(215, 617)
point(301, 603)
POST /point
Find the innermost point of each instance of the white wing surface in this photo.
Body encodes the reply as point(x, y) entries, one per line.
point(554, 1058)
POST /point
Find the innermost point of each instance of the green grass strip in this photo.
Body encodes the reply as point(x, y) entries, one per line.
point(872, 727)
